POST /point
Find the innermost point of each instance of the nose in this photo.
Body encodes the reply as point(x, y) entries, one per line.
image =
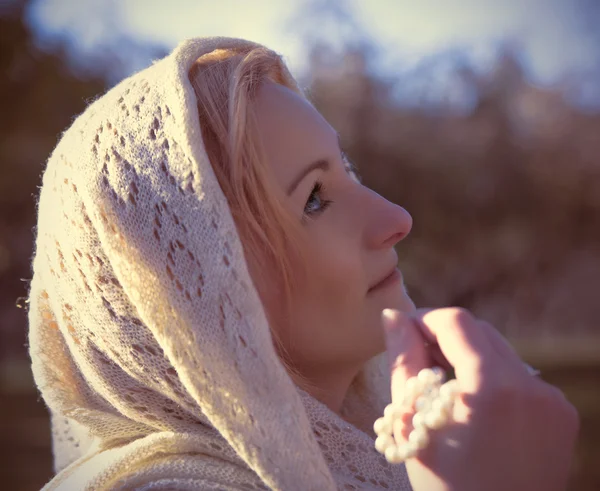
point(387, 223)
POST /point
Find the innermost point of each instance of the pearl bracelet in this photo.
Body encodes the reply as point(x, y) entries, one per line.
point(433, 402)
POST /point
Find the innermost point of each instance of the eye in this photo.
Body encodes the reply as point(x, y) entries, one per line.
point(316, 204)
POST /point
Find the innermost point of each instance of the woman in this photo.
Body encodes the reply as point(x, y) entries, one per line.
point(205, 307)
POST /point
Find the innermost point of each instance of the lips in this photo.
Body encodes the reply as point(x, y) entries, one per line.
point(390, 278)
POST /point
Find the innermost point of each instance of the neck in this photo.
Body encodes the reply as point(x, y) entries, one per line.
point(328, 387)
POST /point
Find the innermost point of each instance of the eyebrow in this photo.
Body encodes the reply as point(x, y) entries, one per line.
point(317, 164)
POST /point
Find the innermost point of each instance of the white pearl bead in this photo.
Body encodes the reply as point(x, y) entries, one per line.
point(383, 442)
point(422, 404)
point(433, 405)
point(431, 391)
point(436, 419)
point(392, 411)
point(440, 374)
point(409, 450)
point(418, 420)
point(427, 376)
point(382, 426)
point(403, 452)
point(442, 405)
point(412, 387)
point(419, 437)
point(393, 455)
point(449, 390)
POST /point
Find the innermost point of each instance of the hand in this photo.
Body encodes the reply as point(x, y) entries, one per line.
point(509, 430)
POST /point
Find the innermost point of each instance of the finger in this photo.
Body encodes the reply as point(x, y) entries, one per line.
point(506, 350)
point(500, 343)
point(438, 357)
point(406, 350)
point(462, 342)
point(497, 341)
point(433, 348)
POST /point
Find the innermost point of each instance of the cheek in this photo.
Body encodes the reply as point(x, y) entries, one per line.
point(338, 277)
point(335, 320)
point(335, 283)
point(266, 281)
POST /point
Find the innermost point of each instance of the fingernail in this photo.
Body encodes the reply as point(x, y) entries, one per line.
point(389, 317)
point(388, 314)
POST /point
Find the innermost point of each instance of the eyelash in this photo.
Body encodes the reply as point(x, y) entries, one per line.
point(319, 188)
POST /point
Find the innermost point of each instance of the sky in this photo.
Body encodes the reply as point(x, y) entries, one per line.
point(408, 33)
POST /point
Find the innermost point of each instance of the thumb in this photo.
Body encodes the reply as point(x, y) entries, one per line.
point(406, 350)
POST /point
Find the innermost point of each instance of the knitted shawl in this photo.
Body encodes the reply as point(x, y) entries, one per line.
point(148, 340)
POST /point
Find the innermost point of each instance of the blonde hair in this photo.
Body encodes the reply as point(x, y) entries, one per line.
point(226, 82)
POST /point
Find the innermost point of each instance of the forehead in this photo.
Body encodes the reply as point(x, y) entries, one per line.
point(292, 131)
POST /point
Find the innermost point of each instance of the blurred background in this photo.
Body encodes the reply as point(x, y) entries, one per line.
point(481, 118)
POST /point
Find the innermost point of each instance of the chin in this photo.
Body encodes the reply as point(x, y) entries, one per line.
point(376, 341)
point(376, 344)
point(408, 305)
point(402, 302)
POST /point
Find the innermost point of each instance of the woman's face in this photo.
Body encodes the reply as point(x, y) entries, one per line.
point(349, 233)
